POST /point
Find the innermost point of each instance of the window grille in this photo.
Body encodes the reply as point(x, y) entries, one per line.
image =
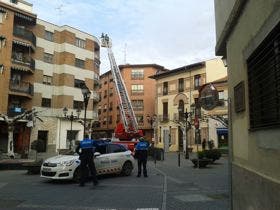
point(264, 82)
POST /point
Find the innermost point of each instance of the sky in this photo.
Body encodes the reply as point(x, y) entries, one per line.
point(170, 33)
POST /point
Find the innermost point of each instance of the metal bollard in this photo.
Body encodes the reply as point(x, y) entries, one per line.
point(179, 159)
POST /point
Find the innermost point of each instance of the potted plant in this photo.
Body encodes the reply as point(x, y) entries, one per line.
point(202, 161)
point(213, 154)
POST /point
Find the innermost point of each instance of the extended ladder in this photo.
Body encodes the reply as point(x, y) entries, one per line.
point(127, 113)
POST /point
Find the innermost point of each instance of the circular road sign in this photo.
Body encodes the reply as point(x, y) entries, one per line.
point(208, 97)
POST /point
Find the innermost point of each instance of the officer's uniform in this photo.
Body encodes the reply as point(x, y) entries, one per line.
point(87, 147)
point(141, 153)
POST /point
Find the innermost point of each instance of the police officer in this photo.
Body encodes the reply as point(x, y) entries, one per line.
point(141, 153)
point(87, 147)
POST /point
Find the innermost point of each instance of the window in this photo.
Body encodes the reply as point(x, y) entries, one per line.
point(264, 82)
point(79, 63)
point(115, 148)
point(137, 89)
point(78, 105)
point(49, 36)
point(47, 80)
point(80, 43)
point(181, 85)
point(43, 136)
point(110, 119)
point(165, 111)
point(140, 119)
point(111, 106)
point(111, 91)
point(138, 105)
point(197, 81)
point(165, 88)
point(1, 18)
point(105, 94)
point(48, 58)
point(137, 74)
point(46, 102)
point(221, 98)
point(14, 1)
point(78, 83)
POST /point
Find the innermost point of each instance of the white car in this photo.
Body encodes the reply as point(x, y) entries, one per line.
point(109, 159)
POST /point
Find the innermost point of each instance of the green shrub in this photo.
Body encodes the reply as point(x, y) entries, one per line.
point(213, 154)
point(201, 154)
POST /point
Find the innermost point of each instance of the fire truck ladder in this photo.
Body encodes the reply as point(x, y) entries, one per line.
point(127, 113)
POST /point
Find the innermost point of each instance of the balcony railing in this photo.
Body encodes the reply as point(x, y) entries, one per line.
point(24, 61)
point(163, 118)
point(25, 34)
point(179, 117)
point(21, 87)
point(95, 97)
point(12, 112)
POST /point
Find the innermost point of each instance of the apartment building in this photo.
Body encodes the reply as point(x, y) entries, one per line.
point(43, 66)
point(17, 69)
point(177, 92)
point(141, 90)
point(66, 58)
point(247, 34)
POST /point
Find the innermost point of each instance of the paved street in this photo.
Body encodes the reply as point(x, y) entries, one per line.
point(167, 187)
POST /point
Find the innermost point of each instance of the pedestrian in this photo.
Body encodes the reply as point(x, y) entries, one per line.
point(141, 153)
point(86, 149)
point(203, 144)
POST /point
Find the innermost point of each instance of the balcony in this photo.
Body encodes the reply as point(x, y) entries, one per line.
point(25, 63)
point(179, 117)
point(21, 87)
point(12, 112)
point(25, 34)
point(164, 118)
point(95, 97)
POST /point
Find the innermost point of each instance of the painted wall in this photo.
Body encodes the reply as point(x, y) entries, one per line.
point(256, 154)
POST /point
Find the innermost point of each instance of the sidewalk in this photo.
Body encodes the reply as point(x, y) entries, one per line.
point(192, 188)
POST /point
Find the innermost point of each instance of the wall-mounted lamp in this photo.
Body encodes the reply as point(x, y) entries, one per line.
point(224, 59)
point(1, 68)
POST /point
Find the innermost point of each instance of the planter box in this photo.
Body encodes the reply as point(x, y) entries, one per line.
point(202, 162)
point(33, 167)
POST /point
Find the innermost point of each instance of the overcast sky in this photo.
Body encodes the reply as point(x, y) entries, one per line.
point(171, 33)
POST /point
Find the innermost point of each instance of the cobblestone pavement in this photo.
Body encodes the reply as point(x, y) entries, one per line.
point(167, 187)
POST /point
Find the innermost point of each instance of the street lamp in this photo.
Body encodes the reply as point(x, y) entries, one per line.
point(71, 117)
point(184, 116)
point(86, 94)
point(152, 121)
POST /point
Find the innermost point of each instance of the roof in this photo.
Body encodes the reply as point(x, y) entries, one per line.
point(178, 70)
point(221, 80)
point(135, 66)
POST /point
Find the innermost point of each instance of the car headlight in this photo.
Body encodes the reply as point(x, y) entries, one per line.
point(67, 163)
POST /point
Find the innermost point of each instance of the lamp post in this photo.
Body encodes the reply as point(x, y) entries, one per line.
point(86, 94)
point(184, 116)
point(71, 117)
point(152, 121)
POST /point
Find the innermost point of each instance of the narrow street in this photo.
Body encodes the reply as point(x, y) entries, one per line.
point(167, 187)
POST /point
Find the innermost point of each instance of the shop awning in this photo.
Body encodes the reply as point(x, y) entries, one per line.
point(222, 131)
point(19, 68)
point(25, 44)
point(28, 18)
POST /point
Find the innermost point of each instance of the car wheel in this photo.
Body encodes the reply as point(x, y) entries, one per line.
point(77, 175)
point(127, 168)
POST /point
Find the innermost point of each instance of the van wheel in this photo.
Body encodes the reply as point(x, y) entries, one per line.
point(127, 168)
